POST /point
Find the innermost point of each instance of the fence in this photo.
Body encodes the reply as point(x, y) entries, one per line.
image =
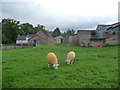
point(12, 46)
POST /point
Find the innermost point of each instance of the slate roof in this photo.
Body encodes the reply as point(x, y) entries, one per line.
point(39, 34)
point(23, 37)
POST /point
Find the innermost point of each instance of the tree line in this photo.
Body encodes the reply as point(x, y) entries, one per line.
point(12, 28)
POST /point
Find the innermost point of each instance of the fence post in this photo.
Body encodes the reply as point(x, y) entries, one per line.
point(5, 47)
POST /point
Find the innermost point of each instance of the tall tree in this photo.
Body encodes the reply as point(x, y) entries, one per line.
point(10, 30)
point(39, 28)
point(69, 32)
point(27, 28)
point(42, 28)
point(56, 32)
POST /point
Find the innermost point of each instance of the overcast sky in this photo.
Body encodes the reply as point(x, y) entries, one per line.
point(73, 14)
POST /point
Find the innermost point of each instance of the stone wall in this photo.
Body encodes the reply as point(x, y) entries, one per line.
point(65, 39)
point(111, 37)
point(51, 40)
point(73, 39)
point(97, 42)
point(84, 37)
point(59, 39)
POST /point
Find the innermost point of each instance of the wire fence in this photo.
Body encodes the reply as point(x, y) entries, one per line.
point(12, 46)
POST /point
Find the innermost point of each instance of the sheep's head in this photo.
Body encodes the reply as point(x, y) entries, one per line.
point(56, 66)
point(68, 61)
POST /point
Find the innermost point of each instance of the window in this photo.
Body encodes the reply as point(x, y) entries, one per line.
point(92, 32)
point(113, 33)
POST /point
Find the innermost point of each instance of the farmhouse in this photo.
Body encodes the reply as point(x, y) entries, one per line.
point(22, 39)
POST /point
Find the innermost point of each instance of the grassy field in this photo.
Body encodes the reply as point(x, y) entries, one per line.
point(92, 68)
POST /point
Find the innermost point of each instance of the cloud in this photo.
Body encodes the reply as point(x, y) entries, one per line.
point(73, 14)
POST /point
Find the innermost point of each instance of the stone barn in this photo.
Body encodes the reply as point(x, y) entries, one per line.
point(59, 39)
point(103, 28)
point(103, 35)
point(40, 38)
point(112, 37)
point(73, 39)
point(84, 37)
point(110, 33)
point(66, 39)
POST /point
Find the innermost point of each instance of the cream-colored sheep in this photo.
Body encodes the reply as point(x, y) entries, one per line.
point(70, 57)
point(52, 59)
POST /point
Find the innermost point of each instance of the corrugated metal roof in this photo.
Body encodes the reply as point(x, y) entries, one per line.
point(105, 27)
point(84, 30)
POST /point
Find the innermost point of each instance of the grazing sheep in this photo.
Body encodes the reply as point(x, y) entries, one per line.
point(52, 59)
point(70, 57)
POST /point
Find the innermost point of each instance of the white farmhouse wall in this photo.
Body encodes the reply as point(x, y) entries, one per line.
point(21, 41)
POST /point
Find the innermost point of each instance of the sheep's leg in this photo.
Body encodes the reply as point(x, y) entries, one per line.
point(55, 66)
point(68, 62)
point(72, 62)
point(48, 65)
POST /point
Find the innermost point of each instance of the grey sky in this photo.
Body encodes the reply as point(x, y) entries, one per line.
point(73, 14)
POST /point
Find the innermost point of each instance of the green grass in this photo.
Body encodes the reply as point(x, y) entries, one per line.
point(92, 68)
